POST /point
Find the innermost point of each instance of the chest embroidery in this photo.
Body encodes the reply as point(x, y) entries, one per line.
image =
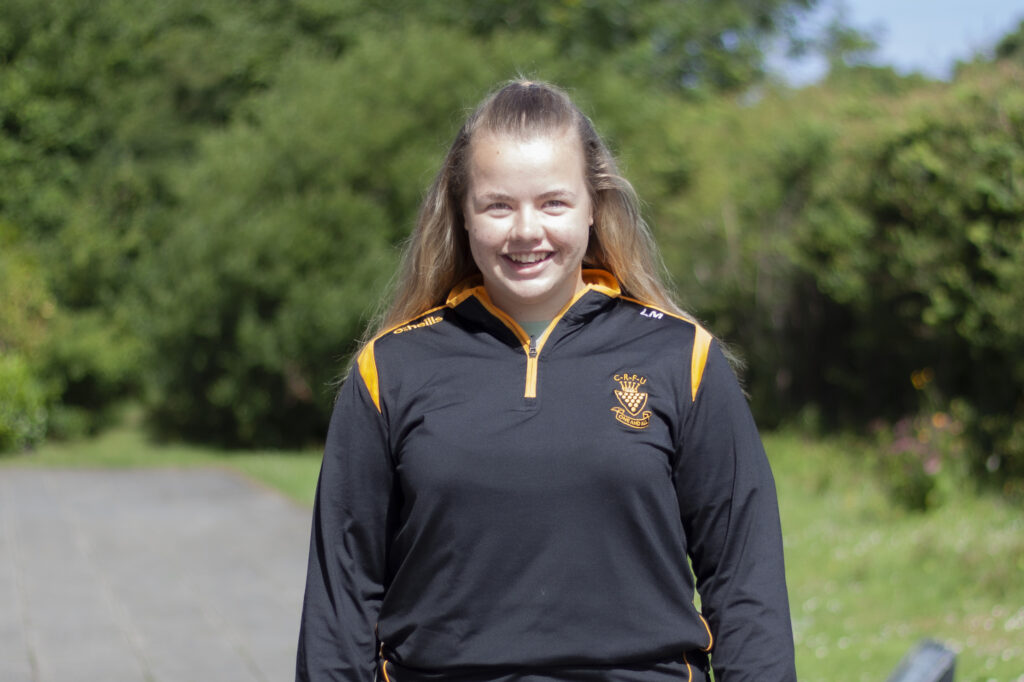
point(433, 319)
point(631, 401)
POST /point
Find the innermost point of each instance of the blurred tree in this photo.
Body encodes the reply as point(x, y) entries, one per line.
point(917, 233)
point(26, 312)
point(1011, 46)
point(697, 46)
point(284, 235)
point(98, 101)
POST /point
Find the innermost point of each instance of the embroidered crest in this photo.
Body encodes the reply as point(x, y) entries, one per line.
point(632, 401)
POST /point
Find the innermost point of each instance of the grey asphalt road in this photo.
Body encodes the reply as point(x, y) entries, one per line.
point(148, 575)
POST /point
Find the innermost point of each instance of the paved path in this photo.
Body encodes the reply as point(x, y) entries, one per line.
point(152, 576)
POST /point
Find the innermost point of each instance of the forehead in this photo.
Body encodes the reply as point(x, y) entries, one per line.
point(497, 153)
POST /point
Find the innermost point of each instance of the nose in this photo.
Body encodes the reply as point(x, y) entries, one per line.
point(527, 225)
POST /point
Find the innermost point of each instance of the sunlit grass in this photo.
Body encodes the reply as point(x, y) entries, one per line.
point(293, 473)
point(867, 579)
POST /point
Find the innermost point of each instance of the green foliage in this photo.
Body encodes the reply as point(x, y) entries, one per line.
point(92, 361)
point(95, 100)
point(27, 306)
point(27, 310)
point(1011, 46)
point(918, 235)
point(99, 102)
point(23, 403)
point(921, 459)
point(699, 48)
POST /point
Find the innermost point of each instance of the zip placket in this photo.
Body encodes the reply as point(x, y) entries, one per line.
point(531, 348)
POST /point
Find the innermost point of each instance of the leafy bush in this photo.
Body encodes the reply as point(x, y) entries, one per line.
point(921, 459)
point(26, 312)
point(918, 236)
point(23, 402)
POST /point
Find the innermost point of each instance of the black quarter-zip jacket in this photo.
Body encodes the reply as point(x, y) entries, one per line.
point(495, 509)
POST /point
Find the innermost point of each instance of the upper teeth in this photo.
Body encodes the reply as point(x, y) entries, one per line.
point(527, 257)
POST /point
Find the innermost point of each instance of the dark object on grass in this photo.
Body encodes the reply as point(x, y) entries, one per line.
point(928, 661)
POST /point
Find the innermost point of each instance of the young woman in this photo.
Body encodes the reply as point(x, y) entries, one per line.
point(534, 442)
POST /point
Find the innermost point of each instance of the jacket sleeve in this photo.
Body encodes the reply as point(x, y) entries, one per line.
point(345, 581)
point(730, 515)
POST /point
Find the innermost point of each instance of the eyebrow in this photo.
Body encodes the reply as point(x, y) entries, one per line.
point(500, 196)
point(492, 196)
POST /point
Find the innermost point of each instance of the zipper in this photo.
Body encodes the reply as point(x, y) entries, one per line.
point(531, 370)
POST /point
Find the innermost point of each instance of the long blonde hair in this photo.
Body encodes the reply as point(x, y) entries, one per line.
point(437, 256)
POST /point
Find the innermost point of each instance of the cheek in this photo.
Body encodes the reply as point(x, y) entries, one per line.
point(484, 229)
point(574, 238)
point(482, 240)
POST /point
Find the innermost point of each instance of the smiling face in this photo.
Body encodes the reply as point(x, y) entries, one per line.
point(528, 214)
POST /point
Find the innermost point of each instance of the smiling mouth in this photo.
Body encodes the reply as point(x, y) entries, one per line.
point(528, 258)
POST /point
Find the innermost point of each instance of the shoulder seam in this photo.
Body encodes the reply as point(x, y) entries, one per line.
point(702, 339)
point(367, 361)
point(659, 309)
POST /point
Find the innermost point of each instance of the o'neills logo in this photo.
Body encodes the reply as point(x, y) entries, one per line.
point(433, 319)
point(633, 402)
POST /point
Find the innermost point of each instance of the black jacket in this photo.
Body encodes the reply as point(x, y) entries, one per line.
point(495, 509)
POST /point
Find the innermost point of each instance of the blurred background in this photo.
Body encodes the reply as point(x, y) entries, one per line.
point(201, 204)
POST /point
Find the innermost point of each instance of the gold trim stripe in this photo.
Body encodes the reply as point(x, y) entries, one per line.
point(701, 345)
point(368, 370)
point(711, 638)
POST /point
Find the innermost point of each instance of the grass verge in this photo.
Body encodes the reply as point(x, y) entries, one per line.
point(868, 579)
point(294, 473)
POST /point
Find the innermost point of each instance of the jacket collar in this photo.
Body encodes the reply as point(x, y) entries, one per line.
point(594, 279)
point(469, 298)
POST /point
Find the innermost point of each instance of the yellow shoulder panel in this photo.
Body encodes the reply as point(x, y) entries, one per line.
point(699, 358)
point(368, 371)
